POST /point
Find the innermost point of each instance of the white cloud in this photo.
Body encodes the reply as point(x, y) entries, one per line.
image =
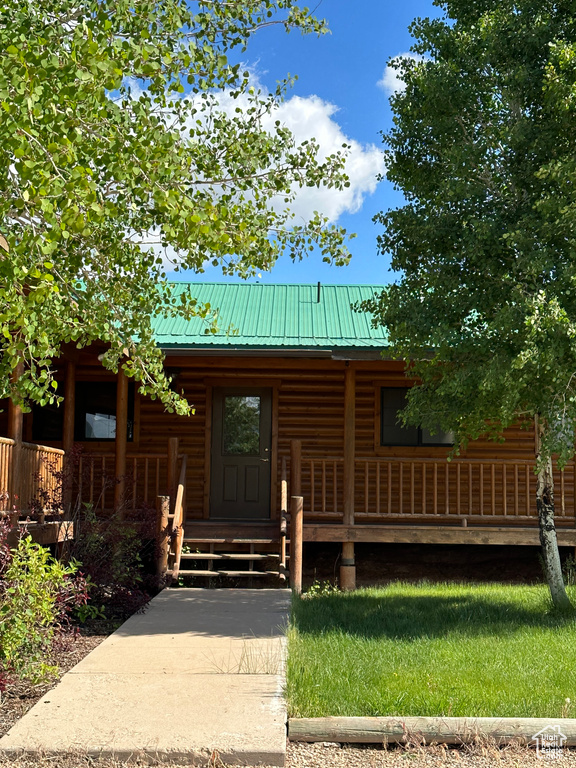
point(308, 118)
point(312, 117)
point(391, 80)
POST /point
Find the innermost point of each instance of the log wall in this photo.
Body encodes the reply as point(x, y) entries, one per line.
point(308, 405)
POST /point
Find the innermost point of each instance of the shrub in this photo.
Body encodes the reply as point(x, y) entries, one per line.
point(37, 595)
point(113, 550)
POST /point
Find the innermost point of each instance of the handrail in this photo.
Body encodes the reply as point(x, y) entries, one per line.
point(420, 460)
point(33, 446)
point(283, 518)
point(178, 517)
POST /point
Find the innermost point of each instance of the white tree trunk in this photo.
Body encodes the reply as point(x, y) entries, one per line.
point(548, 540)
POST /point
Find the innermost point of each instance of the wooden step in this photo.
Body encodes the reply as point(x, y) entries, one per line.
point(223, 532)
point(251, 556)
point(227, 556)
point(190, 540)
point(240, 574)
point(231, 528)
point(192, 572)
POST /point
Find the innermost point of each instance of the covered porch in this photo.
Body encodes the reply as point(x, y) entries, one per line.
point(352, 488)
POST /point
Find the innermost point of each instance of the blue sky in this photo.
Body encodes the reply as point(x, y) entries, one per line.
point(339, 95)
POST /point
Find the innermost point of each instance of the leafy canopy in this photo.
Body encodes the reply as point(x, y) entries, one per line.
point(484, 149)
point(113, 137)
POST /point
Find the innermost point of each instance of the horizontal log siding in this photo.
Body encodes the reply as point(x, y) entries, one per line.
point(156, 426)
point(310, 408)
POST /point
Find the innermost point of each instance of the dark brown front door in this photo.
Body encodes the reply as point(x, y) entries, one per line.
point(241, 441)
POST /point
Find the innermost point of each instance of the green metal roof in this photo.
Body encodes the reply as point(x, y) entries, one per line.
point(273, 316)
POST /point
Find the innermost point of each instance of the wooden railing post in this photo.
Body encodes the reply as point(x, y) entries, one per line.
point(172, 470)
point(178, 518)
point(162, 533)
point(121, 441)
point(68, 433)
point(348, 565)
point(296, 523)
point(283, 519)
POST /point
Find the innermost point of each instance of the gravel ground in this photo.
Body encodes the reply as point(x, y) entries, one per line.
point(334, 756)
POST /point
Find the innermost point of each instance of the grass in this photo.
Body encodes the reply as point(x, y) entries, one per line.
point(431, 649)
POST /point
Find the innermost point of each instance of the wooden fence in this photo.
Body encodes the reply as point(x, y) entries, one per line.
point(30, 476)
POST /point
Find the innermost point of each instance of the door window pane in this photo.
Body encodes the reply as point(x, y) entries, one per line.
point(241, 433)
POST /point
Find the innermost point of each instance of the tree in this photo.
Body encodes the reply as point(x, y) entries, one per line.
point(114, 136)
point(484, 149)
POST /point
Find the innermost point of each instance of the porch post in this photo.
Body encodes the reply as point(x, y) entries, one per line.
point(15, 416)
point(15, 424)
point(68, 430)
point(295, 467)
point(348, 567)
point(173, 449)
point(296, 522)
point(121, 430)
point(296, 546)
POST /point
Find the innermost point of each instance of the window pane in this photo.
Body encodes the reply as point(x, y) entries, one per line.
point(392, 432)
point(100, 426)
point(95, 417)
point(439, 438)
point(47, 421)
point(241, 434)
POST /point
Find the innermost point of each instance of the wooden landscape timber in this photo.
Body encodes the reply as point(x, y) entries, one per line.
point(429, 730)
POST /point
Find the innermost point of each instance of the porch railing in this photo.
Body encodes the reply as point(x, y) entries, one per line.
point(486, 489)
point(30, 476)
point(147, 476)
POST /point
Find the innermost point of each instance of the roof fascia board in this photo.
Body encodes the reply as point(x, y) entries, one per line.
point(245, 352)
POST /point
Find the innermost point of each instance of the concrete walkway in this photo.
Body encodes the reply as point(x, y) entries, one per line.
point(201, 670)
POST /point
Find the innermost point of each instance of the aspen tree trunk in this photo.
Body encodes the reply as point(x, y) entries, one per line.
point(548, 540)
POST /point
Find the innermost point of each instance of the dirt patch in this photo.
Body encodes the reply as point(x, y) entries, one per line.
point(21, 695)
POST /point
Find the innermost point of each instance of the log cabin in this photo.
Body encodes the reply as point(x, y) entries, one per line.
point(295, 410)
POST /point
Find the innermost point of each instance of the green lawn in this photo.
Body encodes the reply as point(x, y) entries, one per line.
point(431, 649)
